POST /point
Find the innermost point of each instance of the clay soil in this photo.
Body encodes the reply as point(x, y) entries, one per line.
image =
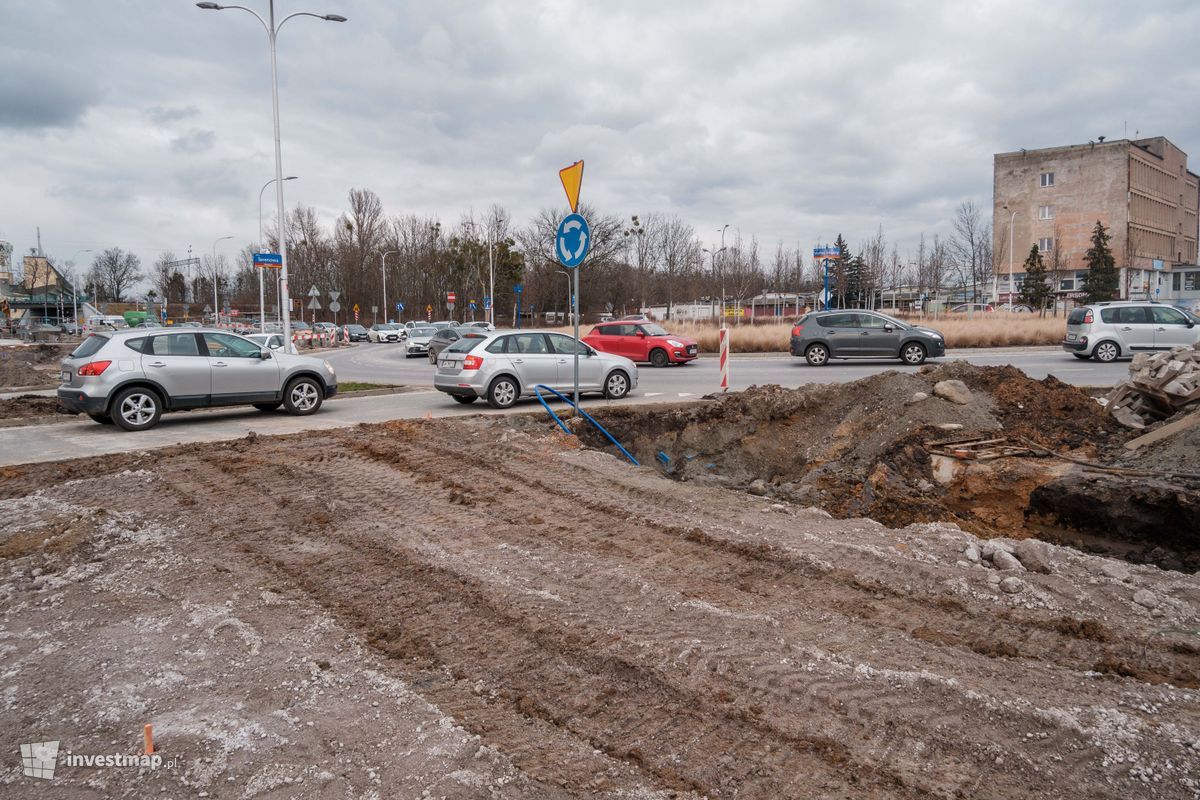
point(861, 449)
point(480, 608)
point(31, 365)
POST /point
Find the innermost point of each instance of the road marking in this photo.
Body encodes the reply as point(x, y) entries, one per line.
point(685, 394)
point(653, 394)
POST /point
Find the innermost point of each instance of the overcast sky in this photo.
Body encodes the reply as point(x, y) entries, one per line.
point(146, 124)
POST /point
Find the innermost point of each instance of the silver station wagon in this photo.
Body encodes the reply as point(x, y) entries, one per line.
point(130, 378)
point(506, 365)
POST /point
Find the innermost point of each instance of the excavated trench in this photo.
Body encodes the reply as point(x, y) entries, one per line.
point(871, 449)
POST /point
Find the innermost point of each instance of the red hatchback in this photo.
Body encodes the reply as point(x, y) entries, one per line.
point(642, 341)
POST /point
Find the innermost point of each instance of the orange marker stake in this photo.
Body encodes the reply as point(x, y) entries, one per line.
point(148, 739)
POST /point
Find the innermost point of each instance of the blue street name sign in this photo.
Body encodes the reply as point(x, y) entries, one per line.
point(268, 260)
point(572, 241)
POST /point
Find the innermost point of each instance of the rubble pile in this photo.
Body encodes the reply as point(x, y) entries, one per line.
point(1159, 386)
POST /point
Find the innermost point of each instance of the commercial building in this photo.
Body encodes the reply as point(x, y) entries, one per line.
point(1141, 190)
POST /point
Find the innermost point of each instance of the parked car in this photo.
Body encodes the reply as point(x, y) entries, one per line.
point(1019, 308)
point(823, 335)
point(1107, 331)
point(384, 332)
point(299, 325)
point(448, 336)
point(966, 308)
point(643, 341)
point(271, 341)
point(443, 323)
point(503, 366)
point(417, 343)
point(481, 324)
point(635, 318)
point(130, 378)
point(356, 333)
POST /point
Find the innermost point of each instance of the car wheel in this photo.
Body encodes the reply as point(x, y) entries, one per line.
point(658, 358)
point(1106, 351)
point(913, 354)
point(817, 355)
point(267, 406)
point(617, 385)
point(302, 397)
point(503, 392)
point(1080, 356)
point(433, 359)
point(136, 409)
point(465, 399)
point(103, 419)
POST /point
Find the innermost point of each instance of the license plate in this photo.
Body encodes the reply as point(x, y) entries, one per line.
point(1070, 337)
point(692, 350)
point(66, 376)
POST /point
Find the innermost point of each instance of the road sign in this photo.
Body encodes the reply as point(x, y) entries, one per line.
point(356, 308)
point(471, 305)
point(450, 298)
point(233, 312)
point(399, 306)
point(208, 309)
point(374, 309)
point(449, 306)
point(487, 303)
point(314, 292)
point(572, 179)
point(335, 306)
point(827, 252)
point(164, 312)
point(572, 240)
point(314, 304)
point(268, 260)
point(334, 295)
point(518, 288)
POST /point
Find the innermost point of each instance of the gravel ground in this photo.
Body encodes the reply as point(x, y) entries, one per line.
point(478, 608)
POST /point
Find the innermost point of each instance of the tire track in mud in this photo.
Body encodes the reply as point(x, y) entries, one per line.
point(1063, 641)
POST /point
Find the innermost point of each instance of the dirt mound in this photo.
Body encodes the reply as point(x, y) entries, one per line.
point(31, 365)
point(863, 448)
point(29, 409)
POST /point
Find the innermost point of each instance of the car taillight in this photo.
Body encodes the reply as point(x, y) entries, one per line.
point(93, 369)
point(472, 362)
point(1088, 319)
point(796, 331)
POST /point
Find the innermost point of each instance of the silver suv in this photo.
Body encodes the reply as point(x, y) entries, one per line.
point(505, 365)
point(1106, 331)
point(131, 377)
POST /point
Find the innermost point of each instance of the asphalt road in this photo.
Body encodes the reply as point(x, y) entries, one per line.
point(386, 364)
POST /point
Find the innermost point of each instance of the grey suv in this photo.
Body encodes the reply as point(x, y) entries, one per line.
point(1106, 331)
point(504, 365)
point(823, 335)
point(131, 377)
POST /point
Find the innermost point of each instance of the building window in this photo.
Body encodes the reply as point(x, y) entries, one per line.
point(1047, 179)
point(1046, 245)
point(1045, 212)
point(1067, 284)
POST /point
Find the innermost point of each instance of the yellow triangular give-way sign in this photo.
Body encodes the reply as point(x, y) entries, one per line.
point(572, 179)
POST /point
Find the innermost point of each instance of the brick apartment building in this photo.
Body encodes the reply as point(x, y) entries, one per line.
point(1140, 189)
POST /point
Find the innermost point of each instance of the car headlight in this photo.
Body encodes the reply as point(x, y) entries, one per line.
point(674, 343)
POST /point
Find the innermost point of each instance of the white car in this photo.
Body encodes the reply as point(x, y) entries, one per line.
point(482, 325)
point(272, 341)
point(384, 332)
point(417, 343)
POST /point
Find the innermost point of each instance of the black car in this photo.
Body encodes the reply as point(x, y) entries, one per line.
point(448, 336)
point(356, 333)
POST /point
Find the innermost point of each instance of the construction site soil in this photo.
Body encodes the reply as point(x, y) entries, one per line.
point(481, 608)
point(31, 365)
point(863, 449)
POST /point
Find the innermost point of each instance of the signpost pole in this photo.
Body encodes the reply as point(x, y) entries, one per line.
point(575, 314)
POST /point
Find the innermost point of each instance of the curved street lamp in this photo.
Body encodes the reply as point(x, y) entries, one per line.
point(272, 29)
point(262, 301)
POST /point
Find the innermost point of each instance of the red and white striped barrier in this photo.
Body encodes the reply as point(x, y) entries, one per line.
point(724, 359)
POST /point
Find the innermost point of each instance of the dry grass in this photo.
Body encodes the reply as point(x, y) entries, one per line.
point(990, 330)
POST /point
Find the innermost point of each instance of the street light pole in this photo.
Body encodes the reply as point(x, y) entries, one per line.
point(713, 254)
point(262, 301)
point(216, 307)
point(272, 30)
point(75, 291)
point(383, 269)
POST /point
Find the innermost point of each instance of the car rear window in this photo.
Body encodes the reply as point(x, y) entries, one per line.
point(1076, 316)
point(89, 346)
point(465, 345)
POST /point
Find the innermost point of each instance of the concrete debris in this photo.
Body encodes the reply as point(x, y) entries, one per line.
point(1115, 570)
point(1012, 585)
point(1002, 559)
point(1032, 555)
point(1159, 386)
point(918, 397)
point(972, 554)
point(953, 390)
point(1145, 598)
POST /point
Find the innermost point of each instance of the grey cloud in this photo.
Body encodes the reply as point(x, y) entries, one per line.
point(167, 114)
point(194, 141)
point(37, 92)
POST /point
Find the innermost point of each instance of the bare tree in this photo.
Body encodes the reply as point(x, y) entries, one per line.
point(678, 254)
point(970, 248)
point(115, 272)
